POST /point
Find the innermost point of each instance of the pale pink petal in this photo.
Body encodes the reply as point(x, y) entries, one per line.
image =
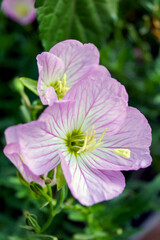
point(134, 135)
point(98, 103)
point(50, 96)
point(39, 147)
point(116, 88)
point(50, 69)
point(11, 135)
point(90, 186)
point(40, 140)
point(77, 59)
point(13, 152)
point(59, 118)
point(9, 7)
point(65, 49)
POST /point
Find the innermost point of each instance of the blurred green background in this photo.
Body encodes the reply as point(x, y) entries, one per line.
point(127, 34)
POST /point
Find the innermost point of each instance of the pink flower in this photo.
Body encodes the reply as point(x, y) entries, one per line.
point(94, 134)
point(21, 11)
point(64, 65)
point(13, 152)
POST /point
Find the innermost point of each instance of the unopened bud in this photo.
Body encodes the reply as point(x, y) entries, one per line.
point(32, 222)
point(18, 86)
point(48, 181)
point(36, 188)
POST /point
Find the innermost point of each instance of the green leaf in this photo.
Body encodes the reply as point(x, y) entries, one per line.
point(30, 84)
point(51, 174)
point(60, 180)
point(87, 21)
point(38, 3)
point(90, 237)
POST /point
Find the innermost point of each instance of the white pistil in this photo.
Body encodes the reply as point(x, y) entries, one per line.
point(90, 143)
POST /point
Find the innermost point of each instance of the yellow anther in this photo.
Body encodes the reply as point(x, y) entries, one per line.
point(126, 153)
point(64, 80)
point(21, 158)
point(90, 143)
point(102, 135)
point(79, 142)
point(60, 87)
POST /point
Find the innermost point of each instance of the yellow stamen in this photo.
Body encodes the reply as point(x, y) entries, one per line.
point(78, 142)
point(90, 143)
point(60, 87)
point(126, 153)
point(21, 158)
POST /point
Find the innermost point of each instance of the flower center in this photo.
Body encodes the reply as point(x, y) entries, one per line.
point(21, 9)
point(79, 142)
point(60, 87)
point(74, 141)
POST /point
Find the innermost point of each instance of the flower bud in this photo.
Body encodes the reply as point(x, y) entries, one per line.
point(32, 222)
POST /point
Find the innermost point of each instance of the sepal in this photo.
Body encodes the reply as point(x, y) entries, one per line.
point(39, 191)
point(60, 180)
point(30, 84)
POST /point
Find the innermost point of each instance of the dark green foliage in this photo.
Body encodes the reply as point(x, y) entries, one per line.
point(84, 20)
point(128, 37)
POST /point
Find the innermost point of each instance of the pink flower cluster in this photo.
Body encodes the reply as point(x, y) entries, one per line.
point(88, 126)
point(21, 11)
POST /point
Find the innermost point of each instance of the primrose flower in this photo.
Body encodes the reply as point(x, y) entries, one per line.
point(13, 152)
point(21, 11)
point(93, 134)
point(64, 65)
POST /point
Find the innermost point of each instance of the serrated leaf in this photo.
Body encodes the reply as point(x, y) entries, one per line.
point(87, 21)
point(60, 180)
point(30, 84)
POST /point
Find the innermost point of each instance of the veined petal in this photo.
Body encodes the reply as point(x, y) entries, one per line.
point(135, 135)
point(12, 151)
point(50, 95)
point(98, 104)
point(50, 69)
point(77, 59)
point(90, 185)
point(39, 147)
point(59, 118)
point(65, 49)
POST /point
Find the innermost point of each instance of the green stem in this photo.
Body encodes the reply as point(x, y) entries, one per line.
point(51, 212)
